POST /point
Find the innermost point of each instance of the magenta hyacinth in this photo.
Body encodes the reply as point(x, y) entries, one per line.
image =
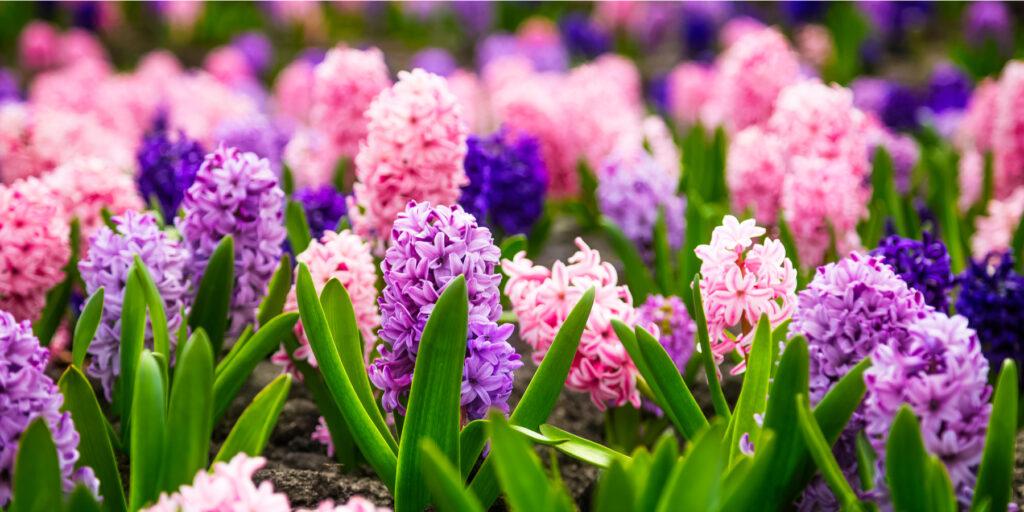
point(235, 194)
point(109, 259)
point(430, 246)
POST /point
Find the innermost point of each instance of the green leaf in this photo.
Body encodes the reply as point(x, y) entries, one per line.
point(297, 227)
point(287, 180)
point(995, 474)
point(662, 255)
point(58, 298)
point(588, 193)
point(614, 490)
point(1018, 246)
point(133, 338)
point(341, 318)
point(655, 483)
point(940, 488)
point(94, 448)
point(213, 300)
point(834, 410)
point(821, 452)
point(512, 246)
point(231, 376)
point(638, 278)
point(788, 241)
point(579, 448)
point(277, 291)
point(82, 500)
point(696, 481)
point(540, 232)
point(444, 481)
point(147, 444)
point(157, 314)
point(906, 462)
point(519, 470)
point(866, 458)
point(670, 384)
point(189, 413)
point(754, 394)
point(433, 409)
point(108, 219)
point(686, 260)
point(884, 190)
point(254, 426)
point(710, 369)
point(373, 446)
point(85, 328)
point(36, 482)
point(471, 443)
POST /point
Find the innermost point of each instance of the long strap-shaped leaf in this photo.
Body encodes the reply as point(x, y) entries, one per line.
point(213, 300)
point(58, 298)
point(277, 291)
point(821, 452)
point(710, 369)
point(189, 413)
point(374, 447)
point(906, 467)
point(157, 313)
point(148, 437)
point(133, 338)
point(754, 394)
point(995, 474)
point(85, 328)
point(638, 278)
point(520, 471)
point(444, 482)
point(696, 481)
point(254, 426)
point(37, 476)
point(297, 227)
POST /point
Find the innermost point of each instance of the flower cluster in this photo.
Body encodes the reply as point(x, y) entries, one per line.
point(923, 264)
point(252, 134)
point(109, 259)
point(688, 91)
point(939, 371)
point(324, 207)
point(755, 168)
point(992, 299)
point(542, 299)
point(668, 318)
point(1007, 148)
point(994, 232)
point(430, 246)
point(345, 84)
point(751, 74)
point(167, 167)
point(415, 145)
point(87, 187)
point(27, 393)
point(507, 181)
point(740, 281)
point(235, 194)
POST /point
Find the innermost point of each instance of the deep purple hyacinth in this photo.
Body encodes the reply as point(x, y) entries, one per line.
point(989, 21)
point(582, 36)
point(236, 194)
point(168, 163)
point(700, 22)
point(107, 264)
point(900, 109)
point(939, 371)
point(630, 193)
point(256, 48)
point(324, 207)
point(949, 88)
point(27, 393)
point(992, 299)
point(923, 264)
point(507, 181)
point(430, 247)
point(435, 60)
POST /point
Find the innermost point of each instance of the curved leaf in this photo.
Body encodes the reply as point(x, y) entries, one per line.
point(638, 278)
point(85, 328)
point(297, 227)
point(696, 481)
point(444, 481)
point(254, 426)
point(133, 338)
point(277, 291)
point(821, 452)
point(157, 314)
point(585, 450)
point(754, 394)
point(670, 382)
point(189, 413)
point(704, 340)
point(471, 443)
point(519, 470)
point(614, 490)
point(149, 432)
point(213, 300)
point(995, 474)
point(906, 463)
point(36, 482)
point(57, 298)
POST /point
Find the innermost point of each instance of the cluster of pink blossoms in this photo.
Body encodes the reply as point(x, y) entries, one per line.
point(993, 122)
point(740, 281)
point(994, 232)
point(415, 144)
point(751, 74)
point(689, 91)
point(85, 187)
point(542, 299)
point(344, 84)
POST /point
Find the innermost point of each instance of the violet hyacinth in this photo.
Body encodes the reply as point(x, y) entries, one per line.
point(110, 257)
point(507, 181)
point(168, 163)
point(923, 264)
point(324, 207)
point(253, 134)
point(992, 299)
point(668, 319)
point(27, 393)
point(236, 194)
point(430, 246)
point(582, 36)
point(939, 371)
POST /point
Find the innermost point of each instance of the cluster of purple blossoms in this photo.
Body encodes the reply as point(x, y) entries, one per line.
point(631, 191)
point(236, 194)
point(923, 264)
point(430, 246)
point(8, 86)
point(668, 319)
point(324, 207)
point(109, 259)
point(253, 134)
point(507, 181)
point(992, 299)
point(940, 372)
point(582, 36)
point(257, 50)
point(168, 164)
point(27, 393)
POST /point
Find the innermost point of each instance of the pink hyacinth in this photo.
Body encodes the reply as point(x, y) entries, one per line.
point(972, 177)
point(752, 73)
point(689, 90)
point(737, 28)
point(38, 45)
point(979, 120)
point(311, 158)
point(994, 232)
point(198, 103)
point(467, 87)
point(229, 65)
point(344, 85)
point(293, 91)
point(542, 299)
point(602, 100)
point(65, 136)
point(415, 144)
point(814, 42)
point(33, 246)
point(228, 488)
point(814, 119)
point(19, 157)
point(85, 187)
point(740, 281)
point(345, 257)
point(755, 170)
point(354, 504)
point(1007, 144)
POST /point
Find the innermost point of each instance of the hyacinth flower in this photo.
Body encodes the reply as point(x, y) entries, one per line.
point(923, 264)
point(168, 163)
point(668, 319)
point(742, 280)
point(992, 299)
point(86, 187)
point(344, 85)
point(324, 207)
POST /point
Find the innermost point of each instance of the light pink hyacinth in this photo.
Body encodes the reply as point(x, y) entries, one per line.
point(85, 187)
point(198, 104)
point(994, 232)
point(415, 145)
point(971, 177)
point(19, 156)
point(293, 91)
point(755, 170)
point(752, 73)
point(467, 87)
point(1007, 143)
point(344, 85)
point(602, 100)
point(690, 87)
point(740, 281)
point(33, 246)
point(311, 158)
point(345, 257)
point(979, 120)
point(542, 299)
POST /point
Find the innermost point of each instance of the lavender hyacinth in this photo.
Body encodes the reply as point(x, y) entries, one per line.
point(254, 134)
point(631, 192)
point(110, 257)
point(257, 49)
point(236, 194)
point(435, 60)
point(431, 246)
point(992, 299)
point(324, 207)
point(507, 181)
point(672, 322)
point(923, 264)
point(168, 163)
point(939, 371)
point(27, 393)
point(8, 86)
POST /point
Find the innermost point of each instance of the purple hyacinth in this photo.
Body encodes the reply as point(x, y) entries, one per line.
point(923, 264)
point(949, 88)
point(672, 323)
point(8, 87)
point(324, 207)
point(253, 134)
point(110, 257)
point(992, 299)
point(939, 371)
point(989, 21)
point(27, 393)
point(257, 49)
point(435, 60)
point(582, 36)
point(168, 163)
point(630, 193)
point(236, 194)
point(507, 181)
point(430, 247)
